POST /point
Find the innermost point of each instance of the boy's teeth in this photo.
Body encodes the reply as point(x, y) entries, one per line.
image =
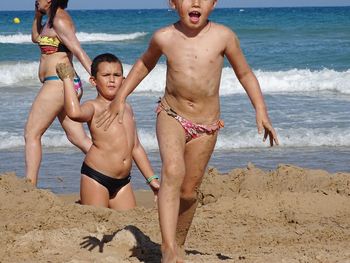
point(194, 13)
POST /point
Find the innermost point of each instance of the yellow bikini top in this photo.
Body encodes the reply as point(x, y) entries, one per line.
point(50, 45)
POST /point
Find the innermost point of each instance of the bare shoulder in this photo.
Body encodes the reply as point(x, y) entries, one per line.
point(226, 35)
point(63, 19)
point(163, 34)
point(90, 103)
point(223, 30)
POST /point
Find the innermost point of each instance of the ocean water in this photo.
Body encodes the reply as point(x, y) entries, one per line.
point(301, 57)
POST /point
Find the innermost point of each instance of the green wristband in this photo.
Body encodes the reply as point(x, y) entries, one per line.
point(149, 180)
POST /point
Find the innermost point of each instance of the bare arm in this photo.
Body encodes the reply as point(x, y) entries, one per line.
point(251, 85)
point(139, 71)
point(75, 111)
point(66, 32)
point(244, 73)
point(140, 157)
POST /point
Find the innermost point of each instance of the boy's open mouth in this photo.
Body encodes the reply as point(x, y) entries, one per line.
point(194, 16)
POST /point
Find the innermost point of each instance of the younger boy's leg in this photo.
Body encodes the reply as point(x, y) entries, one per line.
point(92, 192)
point(171, 140)
point(197, 155)
point(124, 199)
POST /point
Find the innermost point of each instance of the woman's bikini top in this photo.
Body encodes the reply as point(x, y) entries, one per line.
point(50, 45)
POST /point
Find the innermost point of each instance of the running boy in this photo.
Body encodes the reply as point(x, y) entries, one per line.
point(105, 173)
point(188, 116)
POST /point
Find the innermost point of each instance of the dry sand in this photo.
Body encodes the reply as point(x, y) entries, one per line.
point(249, 215)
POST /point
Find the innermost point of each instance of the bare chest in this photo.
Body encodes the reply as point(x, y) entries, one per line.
point(192, 54)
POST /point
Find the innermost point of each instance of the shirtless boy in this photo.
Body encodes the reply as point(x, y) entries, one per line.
point(188, 116)
point(105, 173)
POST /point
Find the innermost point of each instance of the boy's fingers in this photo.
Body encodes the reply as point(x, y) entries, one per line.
point(275, 138)
point(109, 120)
point(121, 115)
point(101, 119)
point(276, 141)
point(260, 128)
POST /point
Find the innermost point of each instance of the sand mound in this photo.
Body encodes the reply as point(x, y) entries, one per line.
point(250, 215)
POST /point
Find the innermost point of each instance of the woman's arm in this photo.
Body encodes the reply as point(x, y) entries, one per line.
point(65, 30)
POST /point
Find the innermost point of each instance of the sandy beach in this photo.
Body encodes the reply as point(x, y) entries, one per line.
point(289, 214)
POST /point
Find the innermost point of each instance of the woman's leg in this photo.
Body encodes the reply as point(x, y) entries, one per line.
point(45, 108)
point(124, 199)
point(171, 140)
point(75, 132)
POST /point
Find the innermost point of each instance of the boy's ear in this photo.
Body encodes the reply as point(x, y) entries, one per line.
point(92, 80)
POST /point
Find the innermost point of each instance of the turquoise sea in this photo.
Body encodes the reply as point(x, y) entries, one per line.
point(301, 57)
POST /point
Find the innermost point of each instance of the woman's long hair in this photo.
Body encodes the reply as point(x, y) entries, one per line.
point(55, 4)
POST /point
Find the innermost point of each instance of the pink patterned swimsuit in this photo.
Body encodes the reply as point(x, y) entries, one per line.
point(192, 130)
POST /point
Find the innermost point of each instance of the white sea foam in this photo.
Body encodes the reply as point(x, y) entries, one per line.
point(52, 138)
point(295, 80)
point(82, 36)
point(227, 140)
point(21, 73)
point(102, 37)
point(16, 39)
point(298, 137)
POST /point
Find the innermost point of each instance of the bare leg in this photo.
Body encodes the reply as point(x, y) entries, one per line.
point(124, 199)
point(197, 155)
point(171, 139)
point(44, 109)
point(93, 193)
point(75, 132)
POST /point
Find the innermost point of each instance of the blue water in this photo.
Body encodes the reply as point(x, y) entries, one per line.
point(301, 57)
point(312, 38)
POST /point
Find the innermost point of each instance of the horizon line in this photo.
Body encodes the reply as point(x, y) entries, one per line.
point(242, 7)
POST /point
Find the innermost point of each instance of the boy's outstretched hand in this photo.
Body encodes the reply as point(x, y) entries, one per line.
point(116, 107)
point(64, 71)
point(263, 123)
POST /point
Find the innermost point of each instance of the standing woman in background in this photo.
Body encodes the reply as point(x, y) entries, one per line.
point(58, 44)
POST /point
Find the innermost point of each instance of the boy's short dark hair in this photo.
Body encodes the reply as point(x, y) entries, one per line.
point(106, 57)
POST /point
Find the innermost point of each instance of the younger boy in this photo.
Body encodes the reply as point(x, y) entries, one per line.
point(105, 173)
point(188, 116)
